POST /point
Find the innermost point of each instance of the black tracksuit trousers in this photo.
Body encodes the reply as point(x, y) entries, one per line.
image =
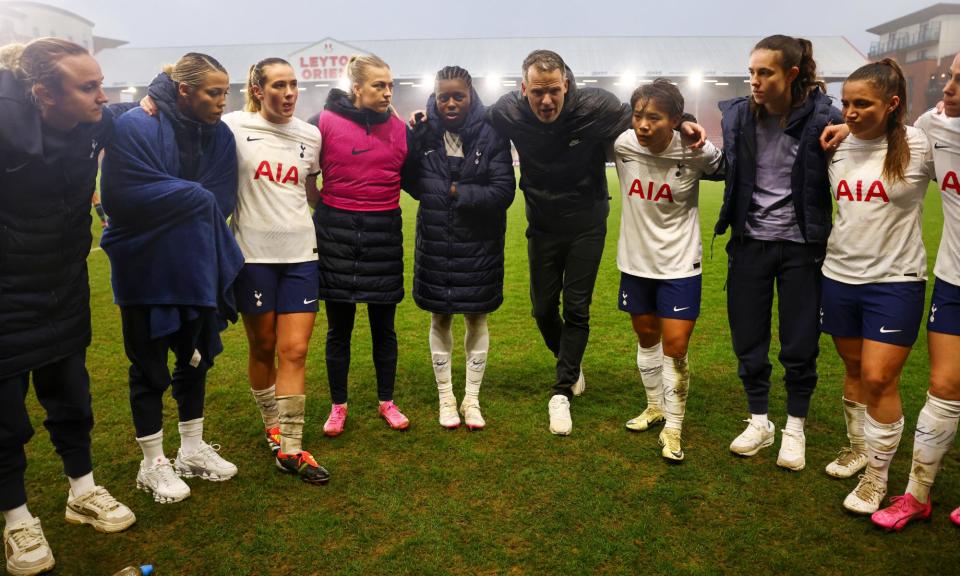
point(753, 268)
point(63, 389)
point(564, 263)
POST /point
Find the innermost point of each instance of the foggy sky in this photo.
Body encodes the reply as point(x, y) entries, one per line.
point(202, 23)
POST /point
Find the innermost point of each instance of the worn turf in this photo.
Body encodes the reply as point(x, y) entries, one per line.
point(511, 499)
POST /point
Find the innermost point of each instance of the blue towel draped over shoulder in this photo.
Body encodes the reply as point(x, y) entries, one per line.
point(168, 241)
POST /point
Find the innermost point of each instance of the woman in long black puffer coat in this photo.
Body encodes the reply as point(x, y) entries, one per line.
point(465, 183)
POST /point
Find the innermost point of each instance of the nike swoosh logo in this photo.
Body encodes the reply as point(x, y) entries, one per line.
point(575, 142)
point(625, 160)
point(939, 146)
point(355, 151)
point(249, 139)
point(834, 161)
point(883, 330)
point(428, 152)
point(305, 301)
point(675, 309)
point(9, 170)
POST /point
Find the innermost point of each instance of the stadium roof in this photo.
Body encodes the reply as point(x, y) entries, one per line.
point(49, 8)
point(600, 57)
point(920, 16)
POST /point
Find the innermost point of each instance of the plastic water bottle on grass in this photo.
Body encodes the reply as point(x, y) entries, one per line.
point(145, 570)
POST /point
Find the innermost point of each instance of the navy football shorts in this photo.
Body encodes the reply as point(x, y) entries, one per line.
point(280, 288)
point(888, 312)
point(677, 298)
point(944, 308)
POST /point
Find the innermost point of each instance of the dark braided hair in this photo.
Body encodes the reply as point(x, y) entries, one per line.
point(455, 73)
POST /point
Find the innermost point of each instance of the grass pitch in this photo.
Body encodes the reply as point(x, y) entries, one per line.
point(512, 499)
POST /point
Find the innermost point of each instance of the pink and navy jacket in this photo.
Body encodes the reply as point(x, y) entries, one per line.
point(358, 222)
point(362, 157)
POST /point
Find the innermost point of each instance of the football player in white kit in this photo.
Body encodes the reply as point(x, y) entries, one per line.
point(659, 251)
point(937, 423)
point(278, 157)
point(875, 268)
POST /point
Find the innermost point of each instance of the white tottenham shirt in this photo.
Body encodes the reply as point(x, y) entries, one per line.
point(272, 219)
point(943, 133)
point(877, 236)
point(660, 219)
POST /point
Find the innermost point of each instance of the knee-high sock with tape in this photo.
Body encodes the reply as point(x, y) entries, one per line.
point(650, 365)
point(441, 347)
point(292, 409)
point(936, 430)
point(476, 344)
point(676, 384)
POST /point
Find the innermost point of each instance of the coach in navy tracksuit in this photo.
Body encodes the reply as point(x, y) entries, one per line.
point(777, 202)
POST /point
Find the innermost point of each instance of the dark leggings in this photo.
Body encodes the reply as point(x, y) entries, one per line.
point(340, 317)
point(63, 389)
point(149, 375)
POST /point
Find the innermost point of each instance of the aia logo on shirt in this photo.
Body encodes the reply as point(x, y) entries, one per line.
point(875, 190)
point(663, 192)
point(950, 182)
point(265, 170)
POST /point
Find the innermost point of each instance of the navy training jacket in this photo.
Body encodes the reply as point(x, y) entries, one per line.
point(460, 239)
point(809, 179)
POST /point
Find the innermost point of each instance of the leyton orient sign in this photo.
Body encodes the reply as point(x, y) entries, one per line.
point(325, 60)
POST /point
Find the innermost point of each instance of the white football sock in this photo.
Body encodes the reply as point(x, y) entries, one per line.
point(18, 514)
point(476, 344)
point(152, 447)
point(82, 485)
point(676, 384)
point(760, 420)
point(191, 435)
point(795, 424)
point(936, 430)
point(853, 414)
point(267, 403)
point(291, 409)
point(650, 365)
point(882, 442)
point(441, 348)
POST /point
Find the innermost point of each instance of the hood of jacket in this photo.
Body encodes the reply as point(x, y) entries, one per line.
point(472, 124)
point(192, 135)
point(21, 133)
point(339, 103)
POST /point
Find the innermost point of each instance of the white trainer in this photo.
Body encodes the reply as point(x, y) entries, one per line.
point(26, 548)
point(847, 463)
point(560, 422)
point(449, 418)
point(471, 415)
point(161, 480)
point(204, 463)
point(651, 415)
point(793, 450)
point(100, 510)
point(751, 440)
point(867, 496)
point(580, 385)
